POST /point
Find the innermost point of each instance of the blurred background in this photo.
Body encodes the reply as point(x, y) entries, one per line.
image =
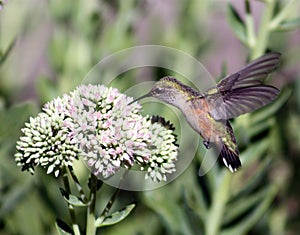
point(48, 47)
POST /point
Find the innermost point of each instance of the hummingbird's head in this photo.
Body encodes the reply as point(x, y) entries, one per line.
point(169, 90)
point(166, 89)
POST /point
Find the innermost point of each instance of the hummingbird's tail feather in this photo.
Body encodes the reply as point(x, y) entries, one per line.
point(230, 158)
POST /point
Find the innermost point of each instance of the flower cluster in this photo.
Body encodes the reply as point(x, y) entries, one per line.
point(45, 142)
point(109, 131)
point(164, 151)
point(98, 124)
point(112, 134)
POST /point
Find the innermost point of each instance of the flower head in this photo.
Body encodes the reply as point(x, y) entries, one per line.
point(164, 149)
point(45, 142)
point(112, 134)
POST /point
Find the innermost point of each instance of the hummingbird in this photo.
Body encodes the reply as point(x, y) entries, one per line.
point(208, 113)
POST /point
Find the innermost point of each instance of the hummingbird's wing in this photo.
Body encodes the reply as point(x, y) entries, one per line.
point(243, 91)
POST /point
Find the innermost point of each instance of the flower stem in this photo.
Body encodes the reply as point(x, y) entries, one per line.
point(251, 39)
point(70, 207)
point(220, 197)
point(264, 30)
point(90, 223)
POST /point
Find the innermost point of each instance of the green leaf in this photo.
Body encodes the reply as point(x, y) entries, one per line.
point(236, 23)
point(290, 24)
point(256, 178)
point(168, 208)
point(254, 152)
point(193, 195)
point(249, 221)
point(72, 199)
point(11, 199)
point(77, 183)
point(116, 217)
point(4, 56)
point(269, 110)
point(12, 120)
point(46, 89)
point(242, 204)
point(195, 218)
point(94, 182)
point(62, 228)
point(258, 128)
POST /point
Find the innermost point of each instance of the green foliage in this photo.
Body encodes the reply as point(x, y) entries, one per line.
point(236, 23)
point(115, 217)
point(72, 199)
point(63, 228)
point(255, 200)
point(289, 25)
point(4, 55)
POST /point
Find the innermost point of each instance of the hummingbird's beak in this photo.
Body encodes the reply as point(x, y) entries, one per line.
point(142, 97)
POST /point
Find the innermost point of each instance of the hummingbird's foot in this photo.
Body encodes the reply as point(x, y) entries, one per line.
point(207, 144)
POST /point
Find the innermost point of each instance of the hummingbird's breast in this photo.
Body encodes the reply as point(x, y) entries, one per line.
point(197, 115)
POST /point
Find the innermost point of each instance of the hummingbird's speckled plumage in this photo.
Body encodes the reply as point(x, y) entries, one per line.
point(208, 113)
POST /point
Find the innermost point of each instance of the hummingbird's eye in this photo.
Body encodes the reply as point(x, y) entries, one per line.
point(159, 90)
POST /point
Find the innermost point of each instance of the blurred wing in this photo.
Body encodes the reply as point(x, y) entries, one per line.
point(243, 92)
point(243, 100)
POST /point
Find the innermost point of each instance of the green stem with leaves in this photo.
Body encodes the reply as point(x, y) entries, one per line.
point(91, 227)
point(75, 226)
point(77, 184)
point(108, 206)
point(283, 14)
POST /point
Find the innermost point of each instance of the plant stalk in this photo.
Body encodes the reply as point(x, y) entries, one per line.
point(90, 223)
point(213, 222)
point(251, 38)
point(264, 30)
point(75, 226)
